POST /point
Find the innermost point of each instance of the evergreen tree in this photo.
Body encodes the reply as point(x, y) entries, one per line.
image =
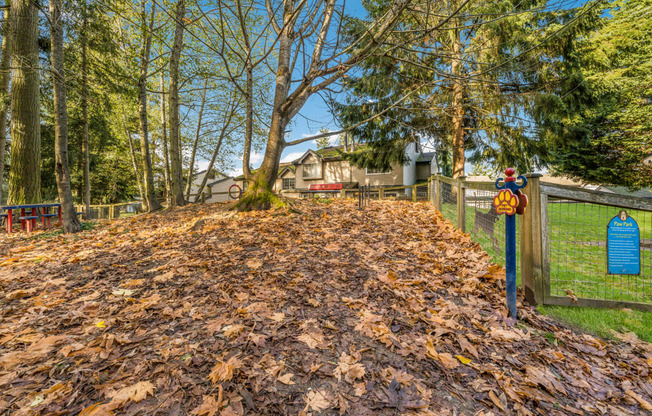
point(598, 121)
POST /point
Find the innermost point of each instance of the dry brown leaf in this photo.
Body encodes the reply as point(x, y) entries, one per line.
point(162, 278)
point(254, 264)
point(208, 407)
point(135, 392)
point(495, 400)
point(318, 400)
point(286, 379)
point(232, 331)
point(644, 403)
point(312, 339)
point(223, 371)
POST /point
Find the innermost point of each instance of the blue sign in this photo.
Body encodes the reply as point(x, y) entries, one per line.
point(623, 245)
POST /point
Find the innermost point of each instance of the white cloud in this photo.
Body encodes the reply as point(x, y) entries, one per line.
point(255, 158)
point(235, 172)
point(291, 157)
point(201, 165)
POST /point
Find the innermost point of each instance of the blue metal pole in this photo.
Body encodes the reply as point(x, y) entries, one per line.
point(510, 264)
point(510, 237)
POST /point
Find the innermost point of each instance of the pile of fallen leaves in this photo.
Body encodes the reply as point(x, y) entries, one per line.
point(328, 310)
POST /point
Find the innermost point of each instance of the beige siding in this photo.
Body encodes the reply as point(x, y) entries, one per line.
point(331, 172)
point(394, 178)
point(220, 187)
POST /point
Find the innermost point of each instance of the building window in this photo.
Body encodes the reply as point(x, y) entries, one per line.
point(312, 171)
point(376, 171)
point(288, 183)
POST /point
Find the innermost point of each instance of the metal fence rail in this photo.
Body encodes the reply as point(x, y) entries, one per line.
point(99, 212)
point(418, 192)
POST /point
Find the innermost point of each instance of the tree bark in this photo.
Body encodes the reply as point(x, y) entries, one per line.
point(150, 194)
point(5, 64)
point(133, 156)
point(175, 145)
point(249, 122)
point(223, 134)
point(86, 158)
point(191, 166)
point(457, 120)
point(211, 163)
point(164, 138)
point(25, 171)
point(259, 193)
point(71, 223)
point(249, 94)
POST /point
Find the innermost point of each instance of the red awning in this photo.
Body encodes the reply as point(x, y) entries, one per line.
point(326, 186)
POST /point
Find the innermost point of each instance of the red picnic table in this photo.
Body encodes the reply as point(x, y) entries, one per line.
point(28, 221)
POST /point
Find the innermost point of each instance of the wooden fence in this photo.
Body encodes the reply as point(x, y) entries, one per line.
point(109, 211)
point(561, 241)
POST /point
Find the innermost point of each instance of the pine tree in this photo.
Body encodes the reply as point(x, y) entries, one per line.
point(598, 121)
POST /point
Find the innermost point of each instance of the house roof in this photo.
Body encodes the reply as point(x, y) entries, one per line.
point(218, 181)
point(217, 172)
point(426, 157)
point(621, 190)
point(281, 168)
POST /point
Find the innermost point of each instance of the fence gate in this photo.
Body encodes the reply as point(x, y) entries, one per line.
point(562, 239)
point(574, 249)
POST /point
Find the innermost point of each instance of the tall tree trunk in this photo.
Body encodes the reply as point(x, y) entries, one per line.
point(249, 112)
point(211, 163)
point(164, 137)
point(86, 158)
point(25, 171)
point(133, 156)
point(223, 134)
point(259, 193)
point(150, 194)
point(193, 154)
point(148, 174)
point(457, 107)
point(71, 223)
point(5, 64)
point(249, 94)
point(175, 146)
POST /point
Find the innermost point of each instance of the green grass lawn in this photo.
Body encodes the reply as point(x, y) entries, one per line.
point(577, 235)
point(602, 321)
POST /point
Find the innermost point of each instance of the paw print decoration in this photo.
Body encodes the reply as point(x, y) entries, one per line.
point(506, 202)
point(510, 200)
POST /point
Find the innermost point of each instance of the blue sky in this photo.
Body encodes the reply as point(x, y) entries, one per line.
point(314, 116)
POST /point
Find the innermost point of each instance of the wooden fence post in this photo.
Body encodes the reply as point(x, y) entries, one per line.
point(531, 242)
point(438, 193)
point(203, 197)
point(381, 193)
point(414, 193)
point(461, 205)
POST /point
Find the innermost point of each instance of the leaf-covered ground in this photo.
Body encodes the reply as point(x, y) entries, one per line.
point(330, 310)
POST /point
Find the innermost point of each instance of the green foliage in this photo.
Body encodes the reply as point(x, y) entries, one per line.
point(412, 87)
point(598, 122)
